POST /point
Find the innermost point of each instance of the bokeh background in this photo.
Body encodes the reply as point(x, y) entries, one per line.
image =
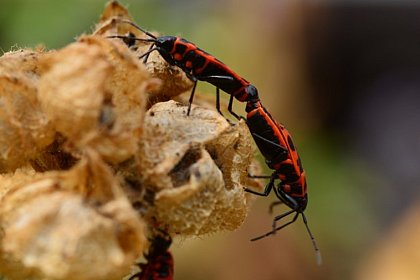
point(343, 76)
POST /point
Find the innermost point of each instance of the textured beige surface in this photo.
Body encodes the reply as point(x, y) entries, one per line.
point(24, 127)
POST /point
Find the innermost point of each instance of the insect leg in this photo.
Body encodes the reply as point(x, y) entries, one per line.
point(279, 228)
point(191, 97)
point(267, 189)
point(274, 203)
point(259, 176)
point(230, 108)
point(146, 54)
point(218, 101)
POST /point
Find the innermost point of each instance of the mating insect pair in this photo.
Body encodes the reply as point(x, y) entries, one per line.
point(272, 139)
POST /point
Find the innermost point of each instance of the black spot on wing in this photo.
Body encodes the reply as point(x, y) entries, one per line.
point(180, 48)
point(297, 189)
point(290, 142)
point(198, 61)
point(299, 162)
point(289, 171)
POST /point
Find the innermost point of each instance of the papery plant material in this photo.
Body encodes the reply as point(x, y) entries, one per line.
point(24, 129)
point(73, 224)
point(196, 166)
point(113, 9)
point(21, 63)
point(109, 109)
point(174, 80)
point(110, 24)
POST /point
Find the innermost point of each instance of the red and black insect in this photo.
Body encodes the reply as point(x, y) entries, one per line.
point(160, 263)
point(276, 145)
point(198, 65)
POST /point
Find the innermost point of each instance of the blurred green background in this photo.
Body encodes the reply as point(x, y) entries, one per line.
point(343, 76)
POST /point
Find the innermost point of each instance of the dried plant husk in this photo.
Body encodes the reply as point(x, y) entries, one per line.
point(109, 109)
point(196, 166)
point(111, 24)
point(22, 63)
point(175, 80)
point(24, 128)
point(62, 224)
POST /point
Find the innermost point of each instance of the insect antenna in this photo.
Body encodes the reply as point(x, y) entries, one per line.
point(146, 54)
point(317, 251)
point(131, 38)
point(139, 28)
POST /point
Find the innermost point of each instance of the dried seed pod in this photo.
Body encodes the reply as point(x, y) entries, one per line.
point(21, 63)
point(51, 231)
point(24, 128)
point(110, 22)
point(128, 85)
point(109, 108)
point(174, 79)
point(65, 95)
point(113, 9)
point(197, 167)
